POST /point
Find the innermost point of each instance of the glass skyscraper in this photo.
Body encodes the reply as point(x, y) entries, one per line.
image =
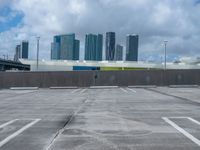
point(65, 47)
point(17, 53)
point(110, 45)
point(119, 53)
point(24, 49)
point(99, 47)
point(55, 48)
point(132, 42)
point(93, 47)
point(76, 50)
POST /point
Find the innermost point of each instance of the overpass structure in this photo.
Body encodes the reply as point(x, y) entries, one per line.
point(6, 65)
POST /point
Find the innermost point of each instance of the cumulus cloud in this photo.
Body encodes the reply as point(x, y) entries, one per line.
point(155, 21)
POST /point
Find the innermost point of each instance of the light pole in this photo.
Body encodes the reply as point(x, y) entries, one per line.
point(165, 43)
point(38, 48)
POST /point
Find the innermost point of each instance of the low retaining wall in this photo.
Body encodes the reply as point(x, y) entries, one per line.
point(99, 78)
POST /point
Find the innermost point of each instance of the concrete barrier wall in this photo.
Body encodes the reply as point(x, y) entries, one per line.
point(99, 78)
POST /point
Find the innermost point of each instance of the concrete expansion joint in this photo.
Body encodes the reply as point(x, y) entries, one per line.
point(69, 120)
point(59, 132)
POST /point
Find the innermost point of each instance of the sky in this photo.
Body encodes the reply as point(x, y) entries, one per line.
point(155, 21)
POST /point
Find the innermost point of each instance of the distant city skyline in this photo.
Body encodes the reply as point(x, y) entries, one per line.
point(66, 47)
point(175, 21)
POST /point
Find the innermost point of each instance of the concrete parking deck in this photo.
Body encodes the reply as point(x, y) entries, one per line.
point(124, 118)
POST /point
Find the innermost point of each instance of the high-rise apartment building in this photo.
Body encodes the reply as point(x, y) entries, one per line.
point(55, 51)
point(24, 49)
point(99, 53)
point(132, 42)
point(119, 53)
point(55, 48)
point(77, 50)
point(21, 51)
point(93, 47)
point(17, 53)
point(65, 47)
point(110, 45)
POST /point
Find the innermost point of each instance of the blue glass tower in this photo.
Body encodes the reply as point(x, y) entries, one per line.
point(99, 52)
point(119, 53)
point(65, 47)
point(93, 47)
point(132, 43)
point(76, 50)
point(17, 53)
point(24, 49)
point(110, 46)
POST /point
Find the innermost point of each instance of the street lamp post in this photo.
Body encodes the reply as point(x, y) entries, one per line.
point(165, 43)
point(38, 48)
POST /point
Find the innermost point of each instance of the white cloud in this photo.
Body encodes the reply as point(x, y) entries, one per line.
point(154, 20)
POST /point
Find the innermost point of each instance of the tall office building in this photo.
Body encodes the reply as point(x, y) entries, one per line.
point(55, 48)
point(76, 50)
point(90, 46)
point(99, 53)
point(119, 53)
point(21, 51)
point(110, 45)
point(65, 47)
point(93, 47)
point(17, 53)
point(132, 42)
point(24, 49)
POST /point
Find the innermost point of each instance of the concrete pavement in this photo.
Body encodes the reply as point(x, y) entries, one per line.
point(101, 119)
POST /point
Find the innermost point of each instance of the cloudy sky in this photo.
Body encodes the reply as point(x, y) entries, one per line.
point(177, 21)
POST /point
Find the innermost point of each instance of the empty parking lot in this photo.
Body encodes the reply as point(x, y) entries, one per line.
point(100, 118)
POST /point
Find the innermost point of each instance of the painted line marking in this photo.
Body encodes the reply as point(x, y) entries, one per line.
point(83, 91)
point(189, 118)
point(193, 120)
point(181, 130)
point(7, 123)
point(12, 136)
point(132, 90)
point(74, 91)
point(123, 90)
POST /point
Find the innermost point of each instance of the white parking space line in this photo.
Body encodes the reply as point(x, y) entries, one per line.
point(12, 136)
point(181, 130)
point(83, 91)
point(123, 90)
point(74, 91)
point(132, 90)
point(193, 120)
point(7, 123)
point(189, 118)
